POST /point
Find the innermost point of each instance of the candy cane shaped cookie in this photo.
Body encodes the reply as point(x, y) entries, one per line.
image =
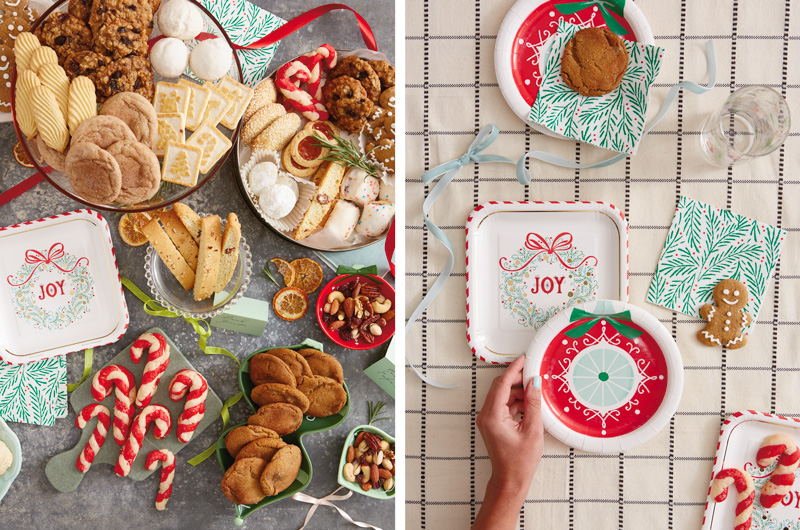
point(289, 76)
point(325, 54)
point(197, 387)
point(86, 457)
point(157, 415)
point(167, 460)
point(122, 380)
point(746, 489)
point(157, 362)
point(784, 449)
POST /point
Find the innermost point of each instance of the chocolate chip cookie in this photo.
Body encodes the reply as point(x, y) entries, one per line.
point(348, 103)
point(65, 34)
point(361, 71)
point(132, 74)
point(594, 62)
point(86, 62)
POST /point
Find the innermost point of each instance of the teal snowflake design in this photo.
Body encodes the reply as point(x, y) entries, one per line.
point(604, 377)
point(80, 286)
point(580, 285)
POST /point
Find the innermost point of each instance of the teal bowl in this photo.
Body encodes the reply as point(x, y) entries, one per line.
point(8, 437)
point(375, 494)
point(310, 425)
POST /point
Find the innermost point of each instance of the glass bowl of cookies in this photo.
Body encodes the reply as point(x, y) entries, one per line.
point(316, 152)
point(196, 266)
point(127, 107)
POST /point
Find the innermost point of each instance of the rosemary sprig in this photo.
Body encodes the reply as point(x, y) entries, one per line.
point(266, 273)
point(374, 410)
point(348, 153)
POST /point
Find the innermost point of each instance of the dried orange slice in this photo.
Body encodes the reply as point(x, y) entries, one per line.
point(130, 228)
point(290, 303)
point(286, 270)
point(21, 156)
point(308, 274)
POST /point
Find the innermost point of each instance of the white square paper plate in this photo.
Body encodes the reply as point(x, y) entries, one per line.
point(571, 243)
point(739, 440)
point(60, 290)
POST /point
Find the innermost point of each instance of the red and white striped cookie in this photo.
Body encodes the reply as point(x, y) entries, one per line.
point(324, 55)
point(167, 460)
point(157, 362)
point(195, 406)
point(159, 417)
point(785, 450)
point(122, 380)
point(747, 492)
point(86, 457)
point(289, 76)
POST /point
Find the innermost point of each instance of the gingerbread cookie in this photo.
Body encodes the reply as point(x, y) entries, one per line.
point(727, 318)
point(10, 27)
point(594, 62)
point(20, 9)
point(6, 64)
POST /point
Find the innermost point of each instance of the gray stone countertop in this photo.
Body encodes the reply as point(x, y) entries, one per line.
point(104, 500)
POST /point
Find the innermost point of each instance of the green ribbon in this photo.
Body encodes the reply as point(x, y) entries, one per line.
point(617, 6)
point(201, 327)
point(88, 356)
point(231, 401)
point(614, 320)
point(367, 272)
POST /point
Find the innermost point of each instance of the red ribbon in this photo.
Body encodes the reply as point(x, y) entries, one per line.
point(307, 17)
point(389, 248)
point(561, 243)
point(15, 191)
point(34, 257)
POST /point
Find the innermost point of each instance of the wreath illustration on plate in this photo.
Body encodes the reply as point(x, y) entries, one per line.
point(78, 285)
point(764, 519)
point(520, 283)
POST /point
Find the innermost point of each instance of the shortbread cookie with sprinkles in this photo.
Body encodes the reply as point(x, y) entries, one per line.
point(264, 94)
point(727, 318)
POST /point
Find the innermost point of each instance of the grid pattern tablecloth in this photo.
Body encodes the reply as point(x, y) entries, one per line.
point(452, 92)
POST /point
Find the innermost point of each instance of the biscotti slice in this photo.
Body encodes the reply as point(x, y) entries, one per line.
point(189, 219)
point(208, 260)
point(230, 251)
point(179, 235)
point(328, 179)
point(169, 254)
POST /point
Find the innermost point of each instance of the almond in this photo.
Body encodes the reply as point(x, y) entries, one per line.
point(334, 307)
point(349, 307)
point(384, 473)
point(351, 454)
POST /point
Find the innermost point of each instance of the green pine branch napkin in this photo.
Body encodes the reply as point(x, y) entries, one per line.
point(245, 23)
point(614, 121)
point(705, 245)
point(34, 392)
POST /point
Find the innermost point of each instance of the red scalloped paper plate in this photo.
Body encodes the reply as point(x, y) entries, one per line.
point(739, 440)
point(612, 376)
point(525, 34)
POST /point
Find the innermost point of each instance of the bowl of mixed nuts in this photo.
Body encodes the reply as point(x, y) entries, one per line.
point(356, 311)
point(367, 465)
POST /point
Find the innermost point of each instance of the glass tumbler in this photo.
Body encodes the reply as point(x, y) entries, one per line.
point(754, 121)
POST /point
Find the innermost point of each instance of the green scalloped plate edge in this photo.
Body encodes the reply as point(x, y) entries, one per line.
point(309, 426)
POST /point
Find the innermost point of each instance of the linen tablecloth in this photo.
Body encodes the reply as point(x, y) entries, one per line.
point(452, 92)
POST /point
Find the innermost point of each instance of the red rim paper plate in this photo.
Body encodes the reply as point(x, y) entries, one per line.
point(526, 261)
point(605, 390)
point(523, 39)
point(60, 290)
point(739, 440)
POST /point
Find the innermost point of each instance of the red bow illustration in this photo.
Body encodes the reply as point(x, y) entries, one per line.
point(561, 243)
point(34, 257)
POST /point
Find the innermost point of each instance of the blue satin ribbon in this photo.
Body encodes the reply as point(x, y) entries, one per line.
point(487, 135)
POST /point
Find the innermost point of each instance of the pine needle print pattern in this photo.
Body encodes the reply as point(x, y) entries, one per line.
point(705, 245)
point(614, 121)
point(34, 392)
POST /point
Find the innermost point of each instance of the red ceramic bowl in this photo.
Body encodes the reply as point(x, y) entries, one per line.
point(336, 284)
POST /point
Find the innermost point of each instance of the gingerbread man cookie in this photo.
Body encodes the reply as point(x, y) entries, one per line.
point(726, 318)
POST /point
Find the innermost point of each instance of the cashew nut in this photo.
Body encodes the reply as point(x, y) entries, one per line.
point(336, 295)
point(375, 330)
point(356, 470)
point(365, 470)
point(388, 484)
point(368, 458)
point(381, 307)
point(348, 473)
point(362, 446)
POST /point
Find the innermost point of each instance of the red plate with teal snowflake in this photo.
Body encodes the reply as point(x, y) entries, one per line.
point(523, 38)
point(611, 375)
